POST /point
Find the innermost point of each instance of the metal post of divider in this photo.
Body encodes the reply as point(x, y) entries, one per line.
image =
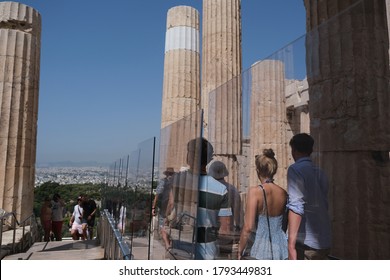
point(151, 197)
point(14, 233)
point(23, 228)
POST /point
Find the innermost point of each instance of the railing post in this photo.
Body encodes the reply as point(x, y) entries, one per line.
point(23, 236)
point(14, 233)
point(1, 232)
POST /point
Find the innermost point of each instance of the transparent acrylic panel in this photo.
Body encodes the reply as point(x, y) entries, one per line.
point(137, 198)
point(332, 83)
point(246, 116)
point(128, 196)
point(111, 191)
point(345, 96)
point(176, 195)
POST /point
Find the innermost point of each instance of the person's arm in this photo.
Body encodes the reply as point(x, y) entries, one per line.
point(296, 202)
point(224, 224)
point(249, 220)
point(294, 221)
point(93, 212)
point(71, 221)
point(154, 205)
point(225, 215)
point(170, 203)
point(237, 210)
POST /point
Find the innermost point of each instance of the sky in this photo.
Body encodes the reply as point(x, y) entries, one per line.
point(102, 69)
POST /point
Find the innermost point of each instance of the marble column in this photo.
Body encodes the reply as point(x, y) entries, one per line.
point(268, 117)
point(20, 32)
point(181, 84)
point(181, 115)
point(221, 84)
point(348, 75)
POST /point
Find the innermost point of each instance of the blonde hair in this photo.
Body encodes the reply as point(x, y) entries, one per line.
point(266, 164)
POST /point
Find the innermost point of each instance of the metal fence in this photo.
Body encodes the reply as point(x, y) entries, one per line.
point(17, 236)
point(115, 248)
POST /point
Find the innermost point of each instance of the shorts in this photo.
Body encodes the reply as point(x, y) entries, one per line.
point(121, 226)
point(77, 227)
point(206, 251)
point(161, 221)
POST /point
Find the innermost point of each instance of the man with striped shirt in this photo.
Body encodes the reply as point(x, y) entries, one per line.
point(214, 212)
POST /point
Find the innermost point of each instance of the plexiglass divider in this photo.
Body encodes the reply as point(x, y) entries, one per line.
point(128, 195)
point(177, 192)
point(262, 109)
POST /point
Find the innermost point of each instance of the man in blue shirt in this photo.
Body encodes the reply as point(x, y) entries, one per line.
point(309, 231)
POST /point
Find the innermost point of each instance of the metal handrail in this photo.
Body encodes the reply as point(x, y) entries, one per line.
point(180, 223)
point(115, 248)
point(30, 220)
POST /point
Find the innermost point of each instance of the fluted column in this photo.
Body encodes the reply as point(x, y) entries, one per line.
point(181, 85)
point(221, 85)
point(20, 32)
point(181, 115)
point(388, 18)
point(348, 75)
point(268, 117)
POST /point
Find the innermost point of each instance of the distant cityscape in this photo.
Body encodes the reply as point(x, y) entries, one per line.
point(65, 175)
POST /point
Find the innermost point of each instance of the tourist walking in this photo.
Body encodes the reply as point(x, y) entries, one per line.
point(217, 169)
point(213, 211)
point(89, 213)
point(45, 217)
point(122, 218)
point(309, 230)
point(265, 203)
point(76, 221)
point(57, 216)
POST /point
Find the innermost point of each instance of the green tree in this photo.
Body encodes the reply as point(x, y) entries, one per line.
point(68, 193)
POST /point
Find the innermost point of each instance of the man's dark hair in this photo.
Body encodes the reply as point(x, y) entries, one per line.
point(56, 197)
point(207, 150)
point(303, 143)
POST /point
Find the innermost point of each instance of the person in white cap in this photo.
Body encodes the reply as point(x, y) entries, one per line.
point(217, 169)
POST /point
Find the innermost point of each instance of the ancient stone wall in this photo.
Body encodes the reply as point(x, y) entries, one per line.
point(348, 76)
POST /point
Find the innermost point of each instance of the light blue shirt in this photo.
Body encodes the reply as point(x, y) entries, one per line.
point(308, 197)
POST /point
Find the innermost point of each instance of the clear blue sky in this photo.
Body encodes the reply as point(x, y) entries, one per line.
point(102, 69)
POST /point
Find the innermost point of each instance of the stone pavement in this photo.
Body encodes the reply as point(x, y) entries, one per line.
point(68, 249)
point(21, 242)
point(62, 250)
point(140, 249)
